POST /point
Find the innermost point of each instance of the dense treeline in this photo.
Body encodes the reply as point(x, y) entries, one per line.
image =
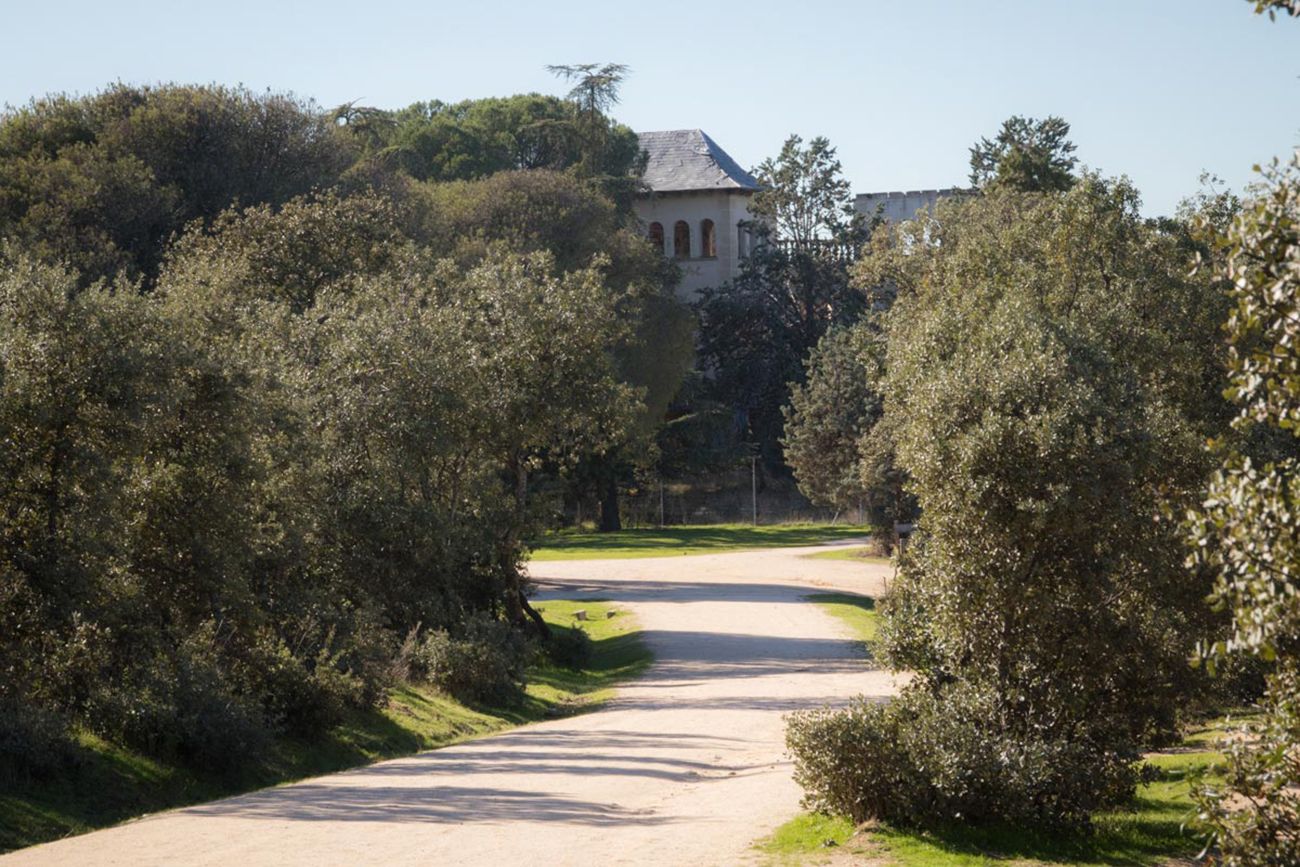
point(276, 386)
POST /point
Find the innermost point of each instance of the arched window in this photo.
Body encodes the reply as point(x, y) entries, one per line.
point(743, 239)
point(708, 244)
point(657, 236)
point(682, 240)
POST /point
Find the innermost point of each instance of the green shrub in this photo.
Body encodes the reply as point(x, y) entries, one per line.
point(484, 662)
point(848, 761)
point(570, 648)
point(305, 697)
point(183, 706)
point(34, 743)
point(942, 756)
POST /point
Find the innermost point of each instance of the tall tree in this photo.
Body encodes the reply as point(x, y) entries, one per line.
point(1049, 380)
point(836, 441)
point(756, 331)
point(1272, 7)
point(1027, 154)
point(1245, 533)
point(805, 197)
point(594, 93)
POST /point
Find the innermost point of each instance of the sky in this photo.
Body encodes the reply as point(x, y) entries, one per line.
point(1158, 90)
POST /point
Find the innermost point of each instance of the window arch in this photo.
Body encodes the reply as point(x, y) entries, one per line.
point(682, 239)
point(708, 240)
point(656, 236)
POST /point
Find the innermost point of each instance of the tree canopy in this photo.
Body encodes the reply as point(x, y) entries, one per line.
point(1244, 534)
point(756, 330)
point(1027, 154)
point(1048, 380)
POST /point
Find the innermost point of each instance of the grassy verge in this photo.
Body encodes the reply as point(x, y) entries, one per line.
point(862, 554)
point(676, 541)
point(1151, 833)
point(856, 612)
point(114, 784)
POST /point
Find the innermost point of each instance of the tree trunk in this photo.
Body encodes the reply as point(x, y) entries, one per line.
point(610, 519)
point(521, 613)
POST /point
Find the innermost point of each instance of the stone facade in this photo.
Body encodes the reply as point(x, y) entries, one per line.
point(696, 205)
point(704, 212)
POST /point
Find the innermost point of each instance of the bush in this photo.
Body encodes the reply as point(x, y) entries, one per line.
point(305, 699)
point(932, 757)
point(570, 648)
point(485, 662)
point(848, 761)
point(181, 706)
point(34, 743)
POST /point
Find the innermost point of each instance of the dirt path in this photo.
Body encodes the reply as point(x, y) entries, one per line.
point(686, 766)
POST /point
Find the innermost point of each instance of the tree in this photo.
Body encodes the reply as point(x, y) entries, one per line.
point(830, 413)
point(836, 441)
point(1027, 154)
point(578, 225)
point(1048, 380)
point(595, 89)
point(1244, 534)
point(606, 155)
point(805, 197)
point(1272, 7)
point(102, 182)
point(756, 331)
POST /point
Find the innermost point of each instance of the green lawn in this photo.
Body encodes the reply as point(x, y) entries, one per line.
point(858, 612)
point(114, 784)
point(701, 539)
point(860, 554)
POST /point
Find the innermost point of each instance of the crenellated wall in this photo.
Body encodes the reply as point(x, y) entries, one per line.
point(901, 205)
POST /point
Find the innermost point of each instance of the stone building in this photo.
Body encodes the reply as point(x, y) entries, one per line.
point(698, 200)
point(697, 206)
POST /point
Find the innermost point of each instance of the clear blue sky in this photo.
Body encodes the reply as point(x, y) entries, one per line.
point(1160, 90)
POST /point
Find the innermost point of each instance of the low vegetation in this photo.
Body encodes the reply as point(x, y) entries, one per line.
point(858, 613)
point(1157, 829)
point(109, 782)
point(695, 539)
point(862, 554)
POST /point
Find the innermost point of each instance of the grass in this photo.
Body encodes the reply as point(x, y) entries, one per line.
point(856, 612)
point(862, 554)
point(806, 834)
point(699, 539)
point(1151, 833)
point(114, 784)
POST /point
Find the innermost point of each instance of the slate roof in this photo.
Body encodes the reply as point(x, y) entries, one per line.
point(686, 159)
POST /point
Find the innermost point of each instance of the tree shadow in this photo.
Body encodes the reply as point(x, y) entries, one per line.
point(669, 592)
point(714, 538)
point(317, 802)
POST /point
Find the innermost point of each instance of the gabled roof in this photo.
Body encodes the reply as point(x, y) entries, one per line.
point(686, 159)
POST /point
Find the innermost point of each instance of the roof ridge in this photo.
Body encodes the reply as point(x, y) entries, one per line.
point(677, 163)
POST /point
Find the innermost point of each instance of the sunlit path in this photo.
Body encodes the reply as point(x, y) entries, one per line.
point(686, 766)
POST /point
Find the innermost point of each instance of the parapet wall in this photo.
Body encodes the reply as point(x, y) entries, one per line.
point(901, 205)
